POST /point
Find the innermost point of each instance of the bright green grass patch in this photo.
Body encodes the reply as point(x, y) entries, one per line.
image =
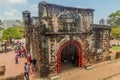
point(115, 48)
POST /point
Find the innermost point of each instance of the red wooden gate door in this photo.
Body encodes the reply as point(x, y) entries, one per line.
point(79, 47)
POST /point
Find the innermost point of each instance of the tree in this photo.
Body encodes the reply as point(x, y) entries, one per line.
point(114, 18)
point(12, 33)
point(115, 32)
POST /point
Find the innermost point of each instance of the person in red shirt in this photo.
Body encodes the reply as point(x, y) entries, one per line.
point(23, 51)
point(29, 58)
point(19, 53)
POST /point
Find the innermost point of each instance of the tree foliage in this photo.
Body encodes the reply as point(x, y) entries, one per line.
point(115, 32)
point(114, 18)
point(12, 33)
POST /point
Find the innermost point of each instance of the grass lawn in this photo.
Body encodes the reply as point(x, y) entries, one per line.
point(115, 48)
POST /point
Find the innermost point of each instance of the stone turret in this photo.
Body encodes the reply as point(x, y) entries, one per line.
point(26, 17)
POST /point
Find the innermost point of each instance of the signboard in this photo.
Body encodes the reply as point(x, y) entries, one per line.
point(99, 50)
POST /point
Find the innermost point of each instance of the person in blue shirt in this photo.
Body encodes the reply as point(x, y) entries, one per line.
point(26, 71)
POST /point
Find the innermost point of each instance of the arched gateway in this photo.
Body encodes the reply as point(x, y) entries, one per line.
point(57, 24)
point(79, 48)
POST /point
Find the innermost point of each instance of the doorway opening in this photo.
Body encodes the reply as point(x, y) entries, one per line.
point(69, 55)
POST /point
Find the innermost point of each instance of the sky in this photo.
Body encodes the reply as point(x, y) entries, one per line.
point(12, 9)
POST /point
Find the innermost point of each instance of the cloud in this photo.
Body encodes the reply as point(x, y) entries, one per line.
point(34, 7)
point(9, 8)
point(1, 18)
point(3, 2)
point(12, 14)
point(17, 1)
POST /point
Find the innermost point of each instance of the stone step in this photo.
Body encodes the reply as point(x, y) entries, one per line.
point(54, 77)
point(88, 67)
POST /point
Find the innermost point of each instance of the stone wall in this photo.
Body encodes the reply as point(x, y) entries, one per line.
point(101, 42)
point(58, 25)
point(59, 18)
point(55, 42)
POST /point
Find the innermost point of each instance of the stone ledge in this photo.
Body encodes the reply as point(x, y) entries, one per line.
point(88, 66)
point(54, 77)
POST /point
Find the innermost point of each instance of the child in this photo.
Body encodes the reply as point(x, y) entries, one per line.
point(16, 58)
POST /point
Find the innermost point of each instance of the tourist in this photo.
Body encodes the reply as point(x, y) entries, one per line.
point(19, 51)
point(16, 58)
point(6, 45)
point(34, 64)
point(26, 53)
point(29, 58)
point(72, 60)
point(30, 68)
point(26, 71)
point(23, 51)
point(18, 45)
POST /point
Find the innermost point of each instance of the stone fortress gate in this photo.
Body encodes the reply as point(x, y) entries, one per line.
point(65, 37)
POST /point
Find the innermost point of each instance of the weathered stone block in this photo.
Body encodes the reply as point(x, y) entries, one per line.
point(10, 78)
point(88, 66)
point(117, 55)
point(108, 58)
point(2, 70)
point(44, 71)
point(54, 77)
point(18, 77)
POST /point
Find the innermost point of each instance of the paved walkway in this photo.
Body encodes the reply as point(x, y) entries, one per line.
point(99, 72)
point(13, 69)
